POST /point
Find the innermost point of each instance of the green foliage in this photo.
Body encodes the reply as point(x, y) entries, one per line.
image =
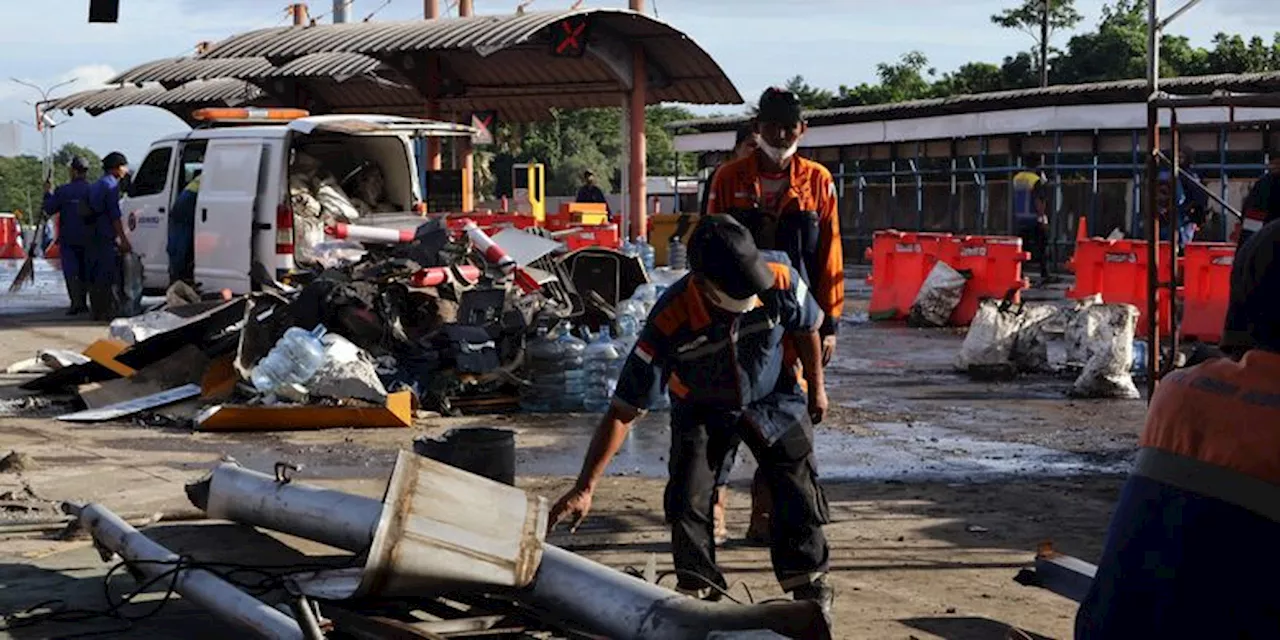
point(1115, 49)
point(22, 186)
point(573, 141)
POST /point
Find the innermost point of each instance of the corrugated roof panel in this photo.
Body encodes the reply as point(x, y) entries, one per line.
point(221, 91)
point(336, 65)
point(1111, 92)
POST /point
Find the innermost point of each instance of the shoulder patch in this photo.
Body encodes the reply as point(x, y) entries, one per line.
point(781, 275)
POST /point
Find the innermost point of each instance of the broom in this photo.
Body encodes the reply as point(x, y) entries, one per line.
point(27, 274)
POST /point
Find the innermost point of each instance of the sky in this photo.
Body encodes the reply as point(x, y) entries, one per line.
point(757, 42)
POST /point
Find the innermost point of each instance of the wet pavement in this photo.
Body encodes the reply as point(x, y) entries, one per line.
point(46, 293)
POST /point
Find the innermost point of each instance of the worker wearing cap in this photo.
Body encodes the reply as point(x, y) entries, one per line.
point(714, 339)
point(789, 203)
point(591, 192)
point(73, 234)
point(106, 234)
point(1200, 511)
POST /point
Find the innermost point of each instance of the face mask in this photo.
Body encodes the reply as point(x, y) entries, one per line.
point(722, 300)
point(776, 154)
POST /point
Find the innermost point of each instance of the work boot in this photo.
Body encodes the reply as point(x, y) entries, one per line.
point(819, 591)
point(761, 505)
point(79, 299)
point(720, 531)
point(102, 301)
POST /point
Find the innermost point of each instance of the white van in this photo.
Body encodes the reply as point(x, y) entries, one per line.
point(243, 213)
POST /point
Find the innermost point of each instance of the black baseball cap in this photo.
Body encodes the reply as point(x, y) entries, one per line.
point(1253, 310)
point(722, 251)
point(779, 106)
point(79, 164)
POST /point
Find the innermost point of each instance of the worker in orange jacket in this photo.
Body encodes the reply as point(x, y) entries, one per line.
point(789, 204)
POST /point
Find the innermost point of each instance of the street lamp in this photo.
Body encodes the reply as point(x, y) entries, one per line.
point(45, 124)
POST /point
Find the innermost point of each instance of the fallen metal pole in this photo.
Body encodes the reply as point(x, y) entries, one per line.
point(567, 587)
point(197, 585)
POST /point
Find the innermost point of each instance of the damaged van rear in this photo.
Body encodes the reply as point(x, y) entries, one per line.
point(216, 205)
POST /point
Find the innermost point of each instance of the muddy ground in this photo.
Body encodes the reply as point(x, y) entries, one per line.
point(940, 487)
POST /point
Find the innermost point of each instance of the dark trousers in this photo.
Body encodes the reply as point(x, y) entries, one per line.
point(75, 272)
point(1035, 239)
point(701, 440)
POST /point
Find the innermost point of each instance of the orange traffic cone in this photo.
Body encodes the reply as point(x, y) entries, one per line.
point(1082, 229)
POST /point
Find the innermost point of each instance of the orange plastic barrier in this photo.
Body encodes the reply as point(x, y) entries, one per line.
point(1117, 269)
point(10, 238)
point(604, 236)
point(995, 265)
point(900, 261)
point(1207, 283)
point(54, 252)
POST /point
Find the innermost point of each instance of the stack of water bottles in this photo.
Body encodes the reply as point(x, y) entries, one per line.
point(640, 248)
point(293, 360)
point(602, 360)
point(554, 365)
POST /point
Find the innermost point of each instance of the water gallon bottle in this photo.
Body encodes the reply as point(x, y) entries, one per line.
point(294, 359)
point(544, 355)
point(575, 376)
point(597, 361)
point(1139, 356)
point(647, 255)
point(677, 254)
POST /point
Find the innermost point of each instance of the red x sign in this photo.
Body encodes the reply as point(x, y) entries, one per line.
point(569, 37)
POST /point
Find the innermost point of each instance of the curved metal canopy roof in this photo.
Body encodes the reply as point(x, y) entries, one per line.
point(1113, 92)
point(501, 62)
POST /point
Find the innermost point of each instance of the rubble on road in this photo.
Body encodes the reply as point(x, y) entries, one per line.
point(436, 321)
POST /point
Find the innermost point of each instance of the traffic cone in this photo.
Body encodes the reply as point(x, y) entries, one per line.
point(1082, 229)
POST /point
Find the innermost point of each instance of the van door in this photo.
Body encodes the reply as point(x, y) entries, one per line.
point(145, 214)
point(225, 214)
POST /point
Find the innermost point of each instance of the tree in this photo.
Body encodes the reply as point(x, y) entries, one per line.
point(1040, 19)
point(899, 81)
point(810, 97)
point(62, 158)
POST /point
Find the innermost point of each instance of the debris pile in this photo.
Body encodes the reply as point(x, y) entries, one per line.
point(446, 317)
point(444, 553)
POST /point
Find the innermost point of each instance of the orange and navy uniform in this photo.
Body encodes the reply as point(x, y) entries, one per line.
point(807, 196)
point(1199, 512)
point(720, 361)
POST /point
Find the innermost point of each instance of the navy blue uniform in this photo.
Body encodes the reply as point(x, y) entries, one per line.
point(729, 383)
point(104, 205)
point(73, 233)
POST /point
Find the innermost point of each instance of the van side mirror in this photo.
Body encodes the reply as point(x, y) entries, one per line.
point(126, 185)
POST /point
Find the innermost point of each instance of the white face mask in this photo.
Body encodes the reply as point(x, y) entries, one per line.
point(722, 300)
point(778, 155)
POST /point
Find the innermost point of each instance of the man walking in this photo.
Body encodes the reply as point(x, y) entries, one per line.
point(1031, 213)
point(715, 339)
point(68, 202)
point(789, 205)
point(106, 235)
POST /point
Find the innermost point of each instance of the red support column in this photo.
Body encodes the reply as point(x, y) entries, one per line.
point(636, 181)
point(299, 11)
point(430, 9)
point(464, 8)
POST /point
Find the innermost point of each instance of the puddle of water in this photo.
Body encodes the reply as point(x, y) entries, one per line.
point(895, 452)
point(47, 292)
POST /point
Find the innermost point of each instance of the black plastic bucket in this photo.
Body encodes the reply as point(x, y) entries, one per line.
point(484, 451)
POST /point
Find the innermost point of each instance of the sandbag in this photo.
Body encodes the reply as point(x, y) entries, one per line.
point(991, 337)
point(334, 202)
point(1031, 344)
point(938, 298)
point(1104, 332)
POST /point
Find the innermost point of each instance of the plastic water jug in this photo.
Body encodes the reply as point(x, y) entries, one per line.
point(601, 379)
point(294, 359)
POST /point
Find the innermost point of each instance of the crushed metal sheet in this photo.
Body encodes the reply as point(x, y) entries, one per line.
point(524, 247)
point(130, 407)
